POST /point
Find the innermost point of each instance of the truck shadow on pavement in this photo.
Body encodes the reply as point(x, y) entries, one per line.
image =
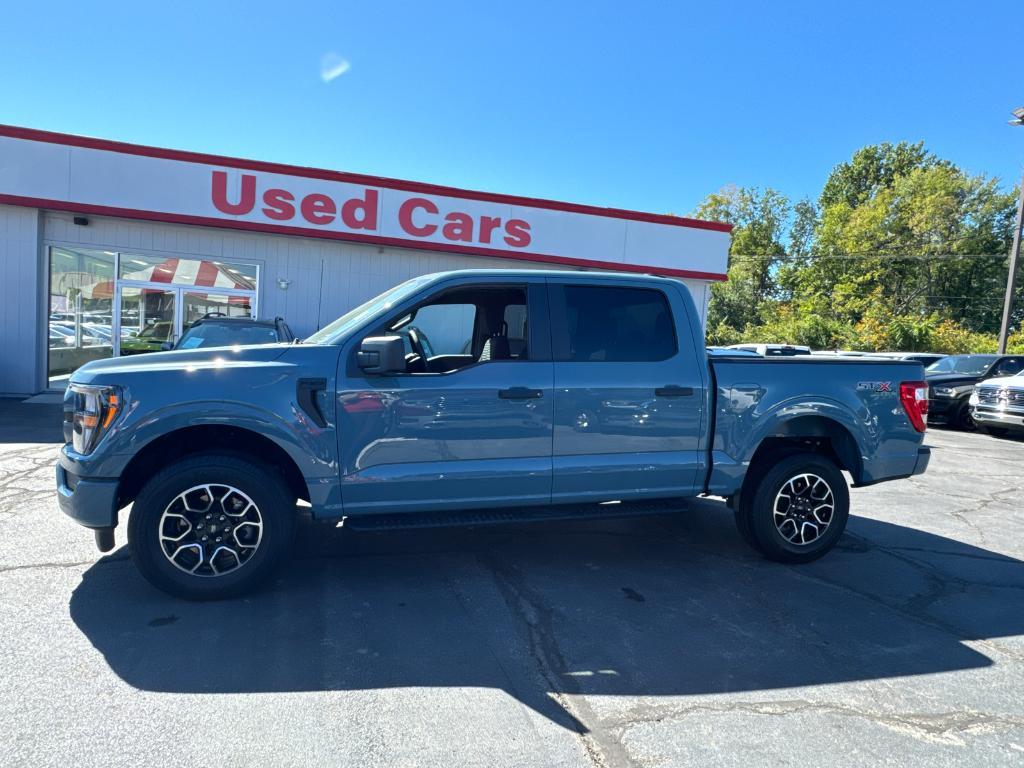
point(642, 607)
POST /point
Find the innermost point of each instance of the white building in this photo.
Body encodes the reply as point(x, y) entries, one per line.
point(109, 248)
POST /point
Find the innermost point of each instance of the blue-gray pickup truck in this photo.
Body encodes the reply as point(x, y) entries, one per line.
point(473, 397)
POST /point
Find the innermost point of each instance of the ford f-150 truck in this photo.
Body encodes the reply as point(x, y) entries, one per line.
point(473, 397)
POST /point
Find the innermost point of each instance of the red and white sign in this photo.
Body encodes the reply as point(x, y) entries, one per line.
point(79, 174)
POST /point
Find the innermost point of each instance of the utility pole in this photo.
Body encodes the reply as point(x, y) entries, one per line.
point(1011, 278)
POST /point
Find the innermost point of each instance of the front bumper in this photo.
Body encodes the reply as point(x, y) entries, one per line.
point(91, 502)
point(942, 407)
point(1005, 419)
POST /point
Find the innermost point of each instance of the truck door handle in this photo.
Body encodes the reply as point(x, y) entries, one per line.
point(519, 393)
point(673, 391)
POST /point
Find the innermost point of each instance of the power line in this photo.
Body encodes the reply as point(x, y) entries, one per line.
point(854, 255)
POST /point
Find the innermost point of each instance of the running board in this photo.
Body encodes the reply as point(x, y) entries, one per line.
point(398, 521)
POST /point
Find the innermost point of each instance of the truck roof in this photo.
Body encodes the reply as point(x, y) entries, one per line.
point(549, 273)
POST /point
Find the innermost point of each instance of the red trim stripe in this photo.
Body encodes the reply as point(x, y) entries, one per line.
point(50, 137)
point(278, 229)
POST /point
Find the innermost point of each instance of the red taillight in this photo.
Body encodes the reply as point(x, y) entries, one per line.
point(914, 396)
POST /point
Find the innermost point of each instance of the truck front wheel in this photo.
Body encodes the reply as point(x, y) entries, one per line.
point(796, 510)
point(211, 526)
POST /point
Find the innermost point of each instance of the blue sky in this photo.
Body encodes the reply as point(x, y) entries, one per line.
point(634, 105)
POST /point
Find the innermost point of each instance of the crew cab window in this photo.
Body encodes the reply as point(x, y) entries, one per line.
point(601, 324)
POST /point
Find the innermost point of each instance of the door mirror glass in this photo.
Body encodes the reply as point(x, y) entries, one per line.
point(381, 355)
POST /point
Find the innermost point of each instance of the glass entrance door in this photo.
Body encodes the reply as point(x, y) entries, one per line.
point(148, 318)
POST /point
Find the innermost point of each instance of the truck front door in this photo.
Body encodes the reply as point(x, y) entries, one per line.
point(469, 423)
point(629, 394)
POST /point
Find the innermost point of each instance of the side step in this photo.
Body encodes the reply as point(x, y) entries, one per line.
point(467, 517)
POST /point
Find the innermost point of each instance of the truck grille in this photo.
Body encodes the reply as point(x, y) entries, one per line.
point(1000, 396)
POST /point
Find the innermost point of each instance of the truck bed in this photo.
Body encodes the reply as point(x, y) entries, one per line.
point(852, 402)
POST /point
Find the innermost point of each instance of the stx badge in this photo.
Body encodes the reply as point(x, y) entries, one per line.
point(874, 386)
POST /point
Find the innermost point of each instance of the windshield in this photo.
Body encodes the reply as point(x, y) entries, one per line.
point(226, 335)
point(331, 334)
point(970, 365)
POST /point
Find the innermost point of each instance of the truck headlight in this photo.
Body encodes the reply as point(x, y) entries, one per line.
point(94, 410)
point(973, 399)
point(943, 391)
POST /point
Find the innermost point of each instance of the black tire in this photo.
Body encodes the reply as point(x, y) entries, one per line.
point(269, 540)
point(962, 418)
point(745, 529)
point(757, 508)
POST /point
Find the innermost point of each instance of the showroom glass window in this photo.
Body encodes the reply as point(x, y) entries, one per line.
point(81, 298)
point(623, 325)
point(104, 303)
point(178, 271)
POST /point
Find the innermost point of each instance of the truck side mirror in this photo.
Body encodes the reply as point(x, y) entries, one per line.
point(381, 355)
point(167, 346)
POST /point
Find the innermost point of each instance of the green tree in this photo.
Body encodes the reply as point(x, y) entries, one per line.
point(871, 170)
point(901, 250)
point(919, 235)
point(759, 219)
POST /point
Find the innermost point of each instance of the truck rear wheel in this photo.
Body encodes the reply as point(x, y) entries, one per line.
point(796, 510)
point(211, 526)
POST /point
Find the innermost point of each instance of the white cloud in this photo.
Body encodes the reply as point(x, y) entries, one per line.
point(332, 65)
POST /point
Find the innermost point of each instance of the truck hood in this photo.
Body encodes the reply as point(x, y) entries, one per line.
point(951, 379)
point(1003, 382)
point(182, 360)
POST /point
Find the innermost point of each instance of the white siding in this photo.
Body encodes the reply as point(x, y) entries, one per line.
point(22, 322)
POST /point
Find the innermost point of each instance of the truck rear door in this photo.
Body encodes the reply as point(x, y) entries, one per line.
point(628, 391)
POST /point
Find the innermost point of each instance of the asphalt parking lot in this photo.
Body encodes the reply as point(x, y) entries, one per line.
point(659, 641)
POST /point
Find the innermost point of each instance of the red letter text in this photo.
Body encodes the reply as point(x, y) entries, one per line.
point(361, 213)
point(278, 204)
point(318, 209)
point(405, 216)
point(220, 194)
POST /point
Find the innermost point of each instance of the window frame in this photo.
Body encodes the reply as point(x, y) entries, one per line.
point(558, 307)
point(538, 333)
